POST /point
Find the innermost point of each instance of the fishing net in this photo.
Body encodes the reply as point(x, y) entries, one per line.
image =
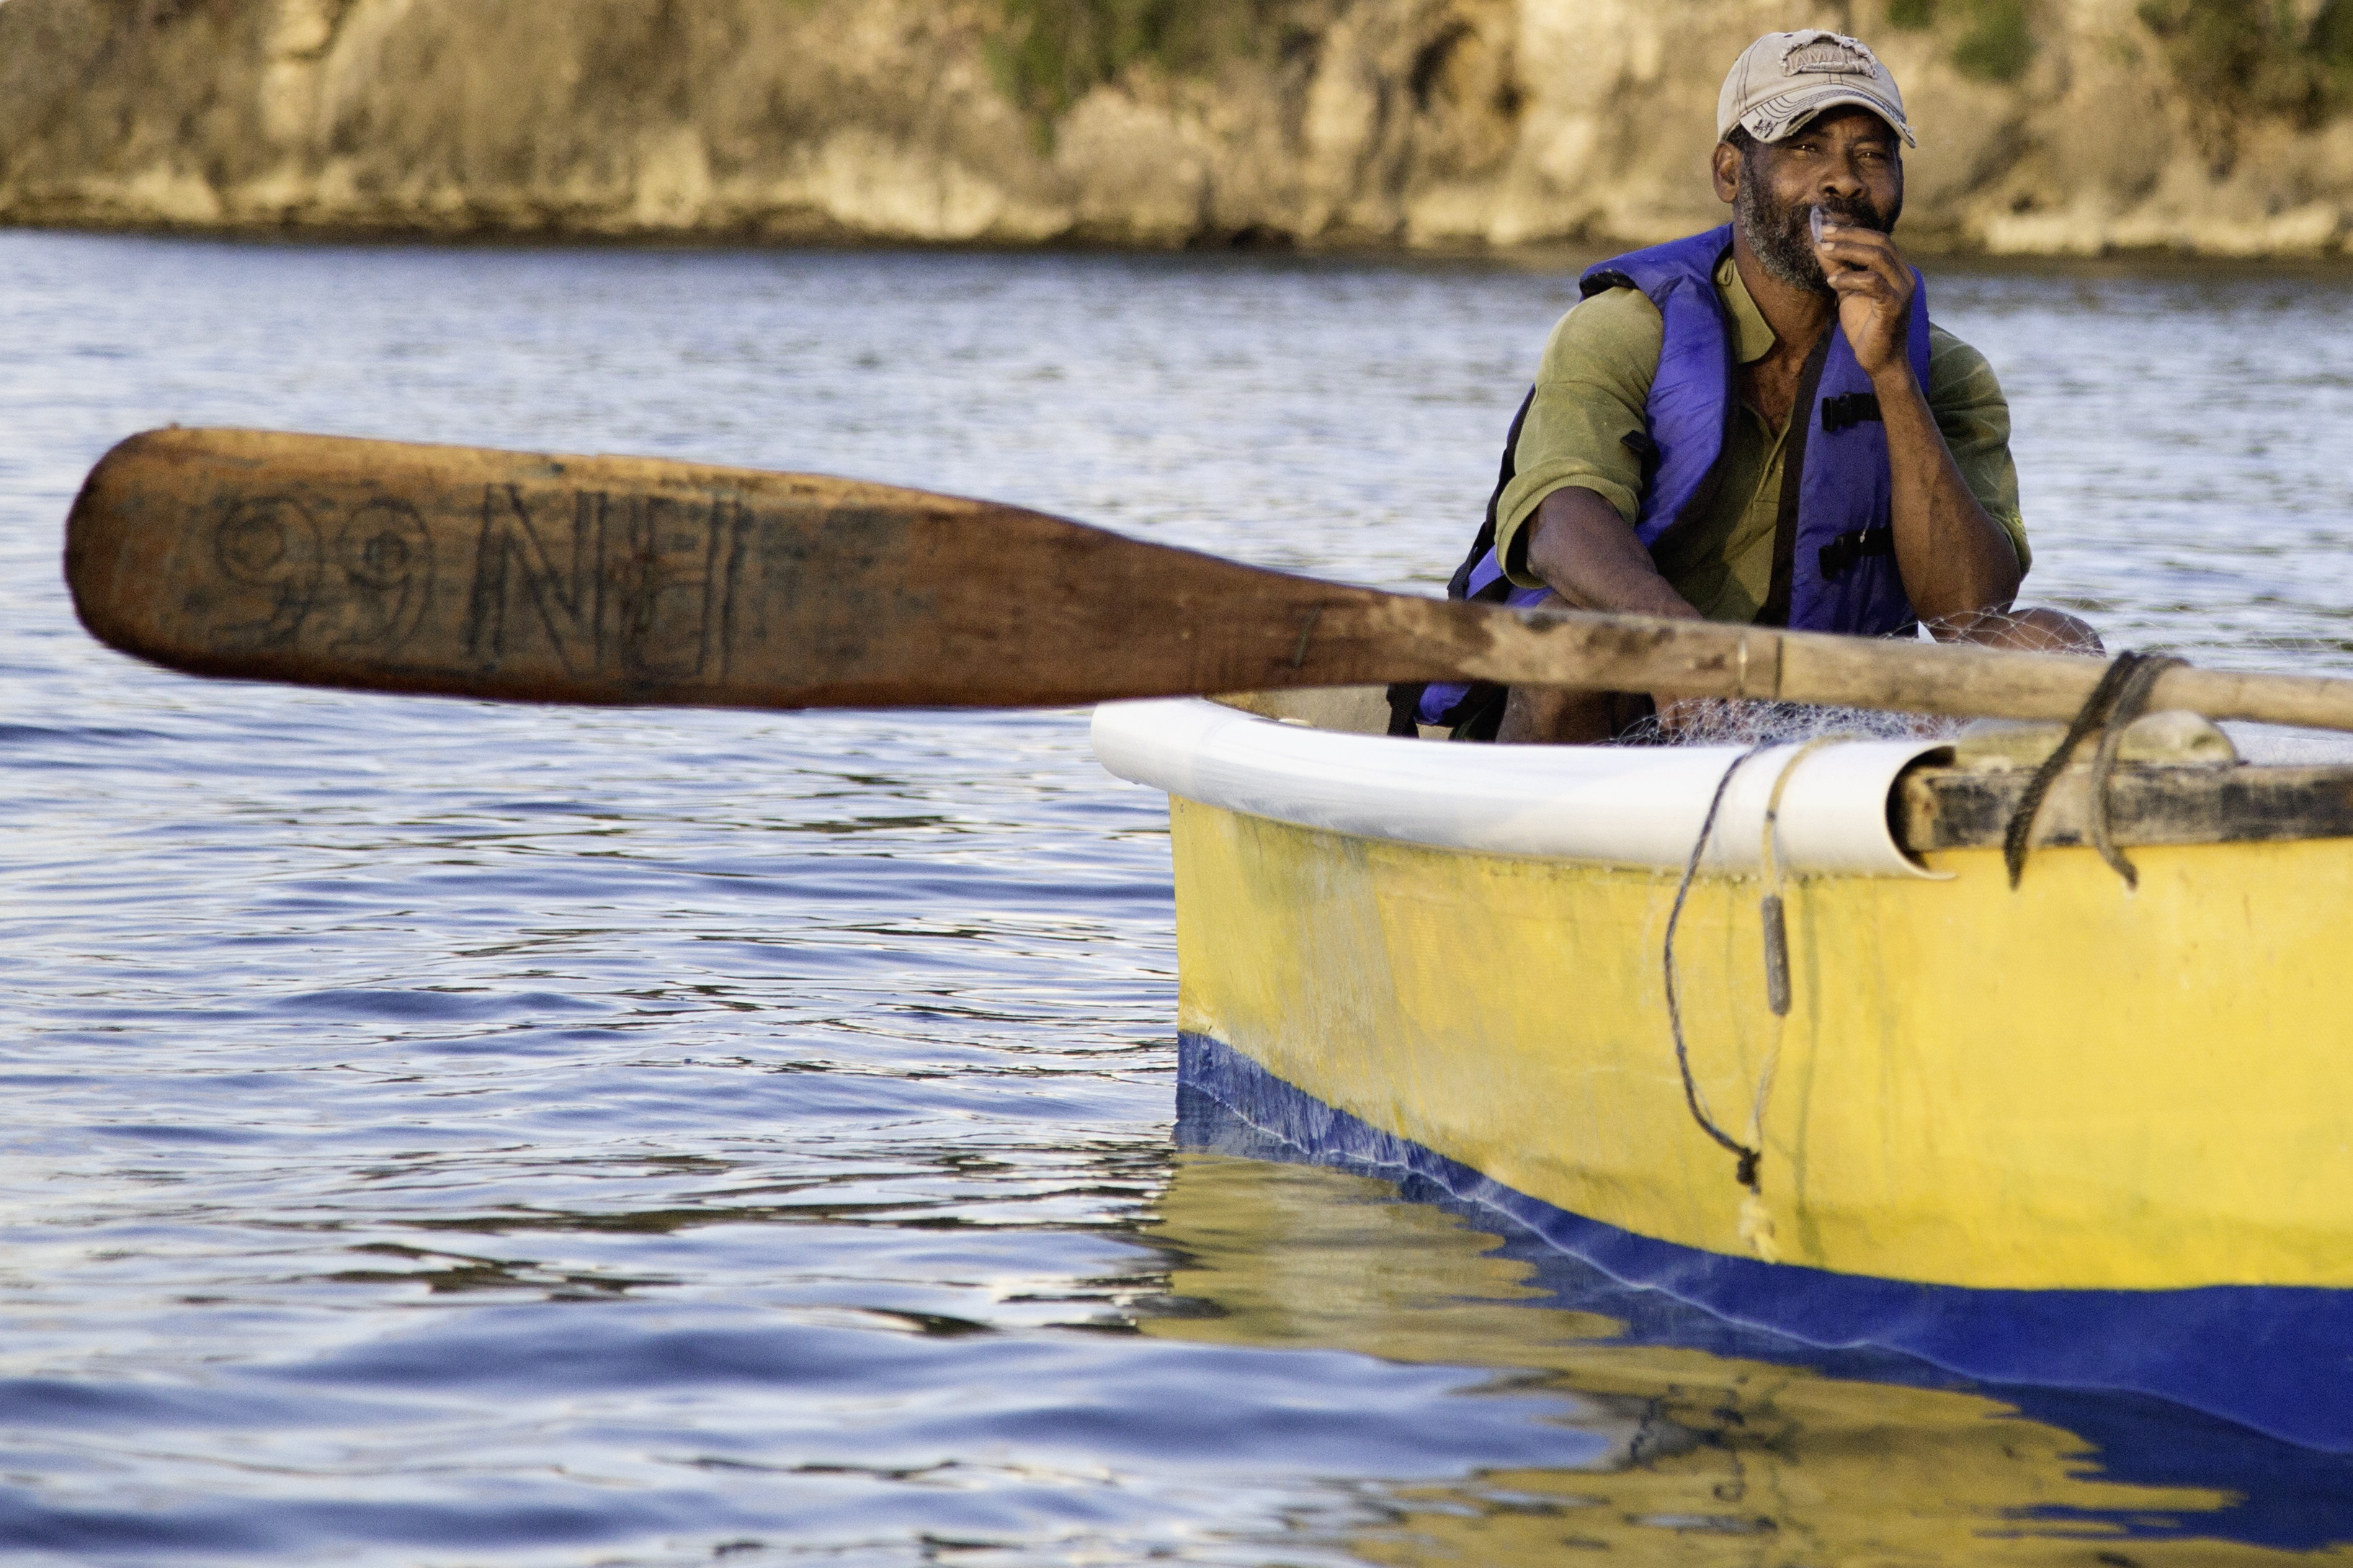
point(1747, 721)
point(1739, 721)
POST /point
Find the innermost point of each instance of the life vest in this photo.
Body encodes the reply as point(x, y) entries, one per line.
point(1834, 570)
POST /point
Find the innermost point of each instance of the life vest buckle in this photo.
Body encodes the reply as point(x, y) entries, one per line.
point(1844, 551)
point(1849, 409)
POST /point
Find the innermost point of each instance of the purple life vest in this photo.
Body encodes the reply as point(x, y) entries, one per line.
point(1835, 570)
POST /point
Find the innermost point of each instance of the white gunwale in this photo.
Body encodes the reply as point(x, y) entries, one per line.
point(1636, 807)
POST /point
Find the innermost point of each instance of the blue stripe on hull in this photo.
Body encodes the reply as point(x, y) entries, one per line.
point(2277, 1359)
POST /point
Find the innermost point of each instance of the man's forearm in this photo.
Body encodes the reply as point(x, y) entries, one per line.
point(1954, 557)
point(1584, 552)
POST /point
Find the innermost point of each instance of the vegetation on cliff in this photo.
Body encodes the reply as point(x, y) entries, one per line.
point(2234, 60)
point(1994, 38)
point(1046, 55)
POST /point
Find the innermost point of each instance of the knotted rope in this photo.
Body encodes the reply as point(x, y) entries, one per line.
point(2119, 699)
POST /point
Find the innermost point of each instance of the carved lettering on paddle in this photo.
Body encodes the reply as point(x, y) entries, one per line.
point(635, 585)
point(682, 558)
point(357, 585)
point(269, 545)
point(383, 553)
point(514, 561)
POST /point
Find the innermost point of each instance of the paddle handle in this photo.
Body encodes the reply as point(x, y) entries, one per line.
point(1708, 659)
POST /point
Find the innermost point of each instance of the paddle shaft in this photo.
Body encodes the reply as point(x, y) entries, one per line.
point(378, 565)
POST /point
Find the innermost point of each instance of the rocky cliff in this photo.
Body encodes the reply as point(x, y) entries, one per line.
point(2046, 125)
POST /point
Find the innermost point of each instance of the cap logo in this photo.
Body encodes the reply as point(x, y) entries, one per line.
point(1818, 71)
point(1829, 52)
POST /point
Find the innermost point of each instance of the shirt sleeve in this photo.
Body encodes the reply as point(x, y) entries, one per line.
point(1589, 394)
point(1974, 417)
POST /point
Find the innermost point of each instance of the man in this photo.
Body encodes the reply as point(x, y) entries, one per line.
point(1758, 423)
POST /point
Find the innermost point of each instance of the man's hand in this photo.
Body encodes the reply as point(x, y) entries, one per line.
point(1874, 296)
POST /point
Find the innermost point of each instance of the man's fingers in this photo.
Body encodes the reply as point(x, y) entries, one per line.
point(1875, 255)
point(1865, 286)
point(1863, 280)
point(1834, 232)
point(1876, 274)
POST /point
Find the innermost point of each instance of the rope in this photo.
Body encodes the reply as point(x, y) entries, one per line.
point(1773, 919)
point(2130, 702)
point(1756, 1221)
point(1745, 1174)
point(2124, 690)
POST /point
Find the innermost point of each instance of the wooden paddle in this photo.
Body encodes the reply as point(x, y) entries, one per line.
point(540, 578)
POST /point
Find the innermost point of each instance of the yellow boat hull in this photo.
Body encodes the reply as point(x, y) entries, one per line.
point(2072, 1085)
point(2077, 1101)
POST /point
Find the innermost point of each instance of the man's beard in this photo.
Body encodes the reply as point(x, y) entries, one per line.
point(1782, 236)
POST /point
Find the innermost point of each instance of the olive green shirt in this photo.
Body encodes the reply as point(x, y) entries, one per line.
point(1590, 393)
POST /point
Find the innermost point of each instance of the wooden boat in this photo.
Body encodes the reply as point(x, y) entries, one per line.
point(2080, 1132)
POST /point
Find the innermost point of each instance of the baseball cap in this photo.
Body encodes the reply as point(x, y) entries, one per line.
point(1784, 79)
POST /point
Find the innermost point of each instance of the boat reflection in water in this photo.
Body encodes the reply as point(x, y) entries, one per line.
point(1728, 1444)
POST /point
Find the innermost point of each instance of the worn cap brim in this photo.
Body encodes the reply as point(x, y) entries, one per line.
point(1786, 113)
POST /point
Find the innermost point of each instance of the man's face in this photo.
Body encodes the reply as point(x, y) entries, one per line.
point(1845, 162)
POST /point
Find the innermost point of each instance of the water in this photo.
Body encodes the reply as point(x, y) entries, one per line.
point(442, 1133)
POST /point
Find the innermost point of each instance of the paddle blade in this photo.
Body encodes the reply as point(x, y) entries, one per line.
point(374, 564)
